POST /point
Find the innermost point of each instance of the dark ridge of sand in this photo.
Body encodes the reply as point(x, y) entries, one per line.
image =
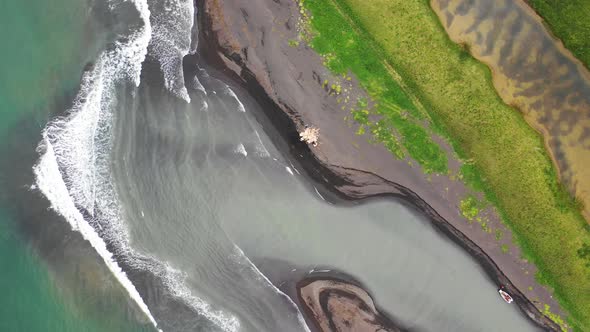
point(247, 41)
point(339, 306)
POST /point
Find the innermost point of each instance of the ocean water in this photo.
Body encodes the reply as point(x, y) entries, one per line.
point(33, 301)
point(43, 45)
point(148, 196)
point(50, 279)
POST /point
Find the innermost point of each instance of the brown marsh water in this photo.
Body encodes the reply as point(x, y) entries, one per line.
point(533, 72)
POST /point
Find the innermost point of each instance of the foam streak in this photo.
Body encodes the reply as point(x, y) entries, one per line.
point(52, 185)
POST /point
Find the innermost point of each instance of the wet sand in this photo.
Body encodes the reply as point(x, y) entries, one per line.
point(534, 72)
point(336, 305)
point(248, 41)
point(294, 279)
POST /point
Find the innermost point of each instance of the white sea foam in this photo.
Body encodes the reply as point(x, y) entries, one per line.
point(175, 281)
point(294, 168)
point(241, 256)
point(241, 149)
point(196, 84)
point(52, 185)
point(289, 170)
point(232, 94)
point(73, 171)
point(172, 22)
point(318, 192)
point(260, 148)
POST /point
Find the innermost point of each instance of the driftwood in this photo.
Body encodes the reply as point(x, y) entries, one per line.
point(310, 135)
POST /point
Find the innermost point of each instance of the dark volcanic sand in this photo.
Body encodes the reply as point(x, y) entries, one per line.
point(248, 40)
point(305, 285)
point(340, 306)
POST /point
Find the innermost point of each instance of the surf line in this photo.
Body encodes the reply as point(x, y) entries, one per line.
point(300, 318)
point(50, 182)
point(72, 144)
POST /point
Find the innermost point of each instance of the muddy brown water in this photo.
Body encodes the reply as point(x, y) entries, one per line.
point(533, 72)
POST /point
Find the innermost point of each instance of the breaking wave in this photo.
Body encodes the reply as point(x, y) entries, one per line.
point(241, 256)
point(240, 107)
point(52, 185)
point(172, 22)
point(73, 170)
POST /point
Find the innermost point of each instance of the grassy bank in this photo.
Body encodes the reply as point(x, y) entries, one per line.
point(391, 117)
point(570, 22)
point(508, 161)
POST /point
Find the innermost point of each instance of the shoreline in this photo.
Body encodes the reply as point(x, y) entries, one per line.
point(346, 185)
point(335, 282)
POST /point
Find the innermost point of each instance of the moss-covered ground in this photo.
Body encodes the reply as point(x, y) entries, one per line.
point(396, 121)
point(569, 20)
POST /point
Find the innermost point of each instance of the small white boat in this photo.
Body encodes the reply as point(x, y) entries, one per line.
point(507, 298)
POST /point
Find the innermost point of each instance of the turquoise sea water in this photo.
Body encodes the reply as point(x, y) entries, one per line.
point(28, 302)
point(45, 45)
point(30, 299)
point(40, 53)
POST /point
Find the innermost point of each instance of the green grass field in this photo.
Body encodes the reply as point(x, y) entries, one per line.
point(399, 126)
point(507, 159)
point(569, 20)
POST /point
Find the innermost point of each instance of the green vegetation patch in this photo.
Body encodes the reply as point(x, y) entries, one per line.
point(504, 248)
point(569, 20)
point(555, 317)
point(294, 43)
point(584, 253)
point(399, 125)
point(506, 159)
point(469, 207)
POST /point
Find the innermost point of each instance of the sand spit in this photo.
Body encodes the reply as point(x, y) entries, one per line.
point(248, 40)
point(534, 72)
point(338, 306)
